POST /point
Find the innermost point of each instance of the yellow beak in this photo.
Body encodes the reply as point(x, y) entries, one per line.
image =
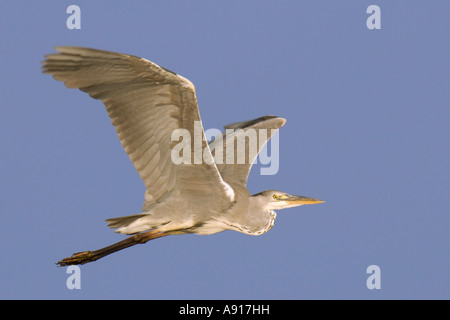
point(300, 200)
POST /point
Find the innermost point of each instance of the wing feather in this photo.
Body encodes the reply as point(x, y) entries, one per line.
point(146, 103)
point(235, 172)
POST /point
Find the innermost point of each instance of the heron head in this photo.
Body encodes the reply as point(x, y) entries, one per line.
point(275, 199)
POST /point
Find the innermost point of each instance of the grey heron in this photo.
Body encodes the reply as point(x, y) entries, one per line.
point(146, 103)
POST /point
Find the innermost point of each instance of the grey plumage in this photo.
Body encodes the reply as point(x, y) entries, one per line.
point(146, 103)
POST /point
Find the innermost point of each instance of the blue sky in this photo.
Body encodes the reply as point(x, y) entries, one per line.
point(367, 130)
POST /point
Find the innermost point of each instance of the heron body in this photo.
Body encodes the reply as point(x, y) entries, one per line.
point(146, 103)
point(202, 216)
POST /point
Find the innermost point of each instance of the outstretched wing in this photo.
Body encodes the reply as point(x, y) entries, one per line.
point(246, 139)
point(146, 103)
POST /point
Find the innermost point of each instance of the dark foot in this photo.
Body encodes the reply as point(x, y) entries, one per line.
point(76, 258)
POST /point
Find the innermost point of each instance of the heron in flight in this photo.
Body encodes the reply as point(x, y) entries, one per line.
point(146, 103)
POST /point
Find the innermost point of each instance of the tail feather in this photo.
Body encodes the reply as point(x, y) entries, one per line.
point(120, 223)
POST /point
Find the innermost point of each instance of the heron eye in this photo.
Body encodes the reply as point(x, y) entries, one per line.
point(275, 196)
